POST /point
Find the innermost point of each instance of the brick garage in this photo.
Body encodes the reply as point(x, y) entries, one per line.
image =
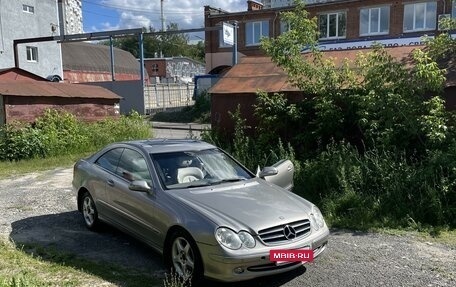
point(240, 85)
point(25, 101)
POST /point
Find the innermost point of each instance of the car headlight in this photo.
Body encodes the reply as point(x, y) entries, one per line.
point(247, 239)
point(316, 218)
point(233, 240)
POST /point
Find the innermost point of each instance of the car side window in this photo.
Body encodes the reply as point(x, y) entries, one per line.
point(110, 159)
point(133, 166)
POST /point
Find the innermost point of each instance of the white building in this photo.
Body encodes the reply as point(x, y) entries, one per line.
point(20, 19)
point(73, 17)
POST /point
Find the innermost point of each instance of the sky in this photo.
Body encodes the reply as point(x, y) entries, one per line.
point(104, 15)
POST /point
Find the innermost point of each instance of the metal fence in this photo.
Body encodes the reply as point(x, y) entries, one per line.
point(160, 97)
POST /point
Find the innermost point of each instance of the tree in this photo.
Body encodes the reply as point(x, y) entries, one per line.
point(168, 45)
point(372, 101)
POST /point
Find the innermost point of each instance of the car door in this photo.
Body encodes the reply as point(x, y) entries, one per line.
point(104, 169)
point(134, 210)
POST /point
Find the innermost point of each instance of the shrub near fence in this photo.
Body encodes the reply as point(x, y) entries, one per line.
point(59, 133)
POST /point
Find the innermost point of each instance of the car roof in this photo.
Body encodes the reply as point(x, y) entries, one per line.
point(170, 145)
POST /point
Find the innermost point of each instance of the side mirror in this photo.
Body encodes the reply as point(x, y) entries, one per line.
point(281, 174)
point(268, 171)
point(139, 185)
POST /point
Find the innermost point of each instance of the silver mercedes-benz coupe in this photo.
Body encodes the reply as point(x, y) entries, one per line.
point(199, 207)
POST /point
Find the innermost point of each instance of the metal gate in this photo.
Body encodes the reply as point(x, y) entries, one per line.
point(160, 97)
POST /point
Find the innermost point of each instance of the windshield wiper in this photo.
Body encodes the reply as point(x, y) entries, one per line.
point(206, 182)
point(233, 179)
point(198, 184)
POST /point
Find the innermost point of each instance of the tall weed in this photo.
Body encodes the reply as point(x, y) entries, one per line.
point(378, 188)
point(59, 133)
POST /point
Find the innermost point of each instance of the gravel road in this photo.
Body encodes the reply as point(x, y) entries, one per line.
point(40, 208)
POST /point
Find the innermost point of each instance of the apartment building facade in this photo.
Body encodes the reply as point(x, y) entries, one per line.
point(21, 19)
point(343, 24)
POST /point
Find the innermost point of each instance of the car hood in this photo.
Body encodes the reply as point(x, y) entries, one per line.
point(250, 205)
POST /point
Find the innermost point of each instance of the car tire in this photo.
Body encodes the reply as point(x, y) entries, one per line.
point(183, 258)
point(89, 212)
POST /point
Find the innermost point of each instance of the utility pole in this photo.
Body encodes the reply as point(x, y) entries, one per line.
point(162, 18)
point(235, 44)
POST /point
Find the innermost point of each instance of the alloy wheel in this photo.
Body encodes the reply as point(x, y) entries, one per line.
point(183, 258)
point(88, 210)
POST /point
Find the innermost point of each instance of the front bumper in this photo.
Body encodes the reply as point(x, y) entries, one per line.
point(230, 266)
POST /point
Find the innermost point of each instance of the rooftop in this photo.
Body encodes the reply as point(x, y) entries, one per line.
point(81, 56)
point(51, 89)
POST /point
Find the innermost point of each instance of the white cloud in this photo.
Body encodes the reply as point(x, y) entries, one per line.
point(106, 26)
point(130, 20)
point(186, 13)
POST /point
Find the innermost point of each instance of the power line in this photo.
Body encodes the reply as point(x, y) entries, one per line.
point(144, 11)
point(99, 14)
point(117, 17)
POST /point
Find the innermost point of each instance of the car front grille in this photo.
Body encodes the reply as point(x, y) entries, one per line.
point(278, 234)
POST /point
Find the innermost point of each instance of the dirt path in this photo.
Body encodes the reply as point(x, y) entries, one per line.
point(40, 208)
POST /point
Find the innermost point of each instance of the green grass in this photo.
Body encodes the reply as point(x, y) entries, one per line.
point(447, 237)
point(37, 266)
point(9, 169)
point(28, 265)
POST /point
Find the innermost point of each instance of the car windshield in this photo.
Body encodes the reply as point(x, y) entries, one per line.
point(187, 169)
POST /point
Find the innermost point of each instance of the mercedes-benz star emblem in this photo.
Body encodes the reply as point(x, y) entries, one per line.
point(289, 232)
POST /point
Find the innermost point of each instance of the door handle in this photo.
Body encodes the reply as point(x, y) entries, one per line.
point(110, 182)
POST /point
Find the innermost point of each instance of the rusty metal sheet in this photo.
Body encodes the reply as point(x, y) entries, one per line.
point(81, 56)
point(52, 89)
point(252, 74)
point(260, 73)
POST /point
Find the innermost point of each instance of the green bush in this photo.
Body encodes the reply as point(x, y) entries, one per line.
point(59, 132)
point(21, 141)
point(372, 141)
point(380, 188)
point(374, 187)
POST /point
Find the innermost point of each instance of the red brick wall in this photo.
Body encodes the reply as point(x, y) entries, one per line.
point(87, 77)
point(352, 7)
point(222, 104)
point(161, 63)
point(449, 96)
point(27, 109)
point(353, 12)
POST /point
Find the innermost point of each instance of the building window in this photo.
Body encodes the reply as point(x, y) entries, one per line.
point(254, 31)
point(32, 54)
point(332, 25)
point(154, 68)
point(28, 9)
point(374, 21)
point(420, 16)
